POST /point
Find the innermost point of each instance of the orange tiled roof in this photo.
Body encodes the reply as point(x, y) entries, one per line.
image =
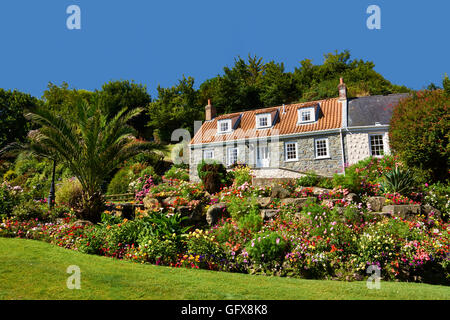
point(330, 118)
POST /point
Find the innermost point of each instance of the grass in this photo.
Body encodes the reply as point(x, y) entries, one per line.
point(37, 270)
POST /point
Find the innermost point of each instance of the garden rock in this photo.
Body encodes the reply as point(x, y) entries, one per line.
point(403, 211)
point(193, 215)
point(82, 223)
point(279, 192)
point(376, 203)
point(298, 202)
point(268, 213)
point(151, 203)
point(318, 191)
point(264, 202)
point(352, 197)
point(428, 210)
point(214, 212)
point(169, 202)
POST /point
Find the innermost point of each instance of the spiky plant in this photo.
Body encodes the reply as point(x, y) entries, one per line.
point(398, 180)
point(91, 144)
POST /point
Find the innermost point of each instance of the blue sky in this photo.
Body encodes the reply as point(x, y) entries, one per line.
point(156, 42)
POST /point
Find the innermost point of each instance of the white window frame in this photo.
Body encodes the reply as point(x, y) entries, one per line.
point(268, 117)
point(210, 151)
point(286, 159)
point(219, 126)
point(312, 112)
point(383, 144)
point(229, 149)
point(327, 144)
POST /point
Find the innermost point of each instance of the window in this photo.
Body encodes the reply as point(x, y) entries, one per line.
point(321, 146)
point(306, 115)
point(290, 149)
point(232, 156)
point(376, 145)
point(208, 154)
point(224, 126)
point(263, 120)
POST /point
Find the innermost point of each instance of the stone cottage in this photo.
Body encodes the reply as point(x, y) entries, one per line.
point(289, 140)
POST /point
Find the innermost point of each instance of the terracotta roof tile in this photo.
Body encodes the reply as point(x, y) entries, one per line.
point(330, 118)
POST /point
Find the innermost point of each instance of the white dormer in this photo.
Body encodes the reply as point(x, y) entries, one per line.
point(224, 126)
point(307, 115)
point(263, 120)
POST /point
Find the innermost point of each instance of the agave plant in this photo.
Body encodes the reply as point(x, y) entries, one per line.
point(397, 181)
point(91, 144)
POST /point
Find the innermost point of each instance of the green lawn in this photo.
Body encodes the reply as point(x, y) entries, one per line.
point(37, 270)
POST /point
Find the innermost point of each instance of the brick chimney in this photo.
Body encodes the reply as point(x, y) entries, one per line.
point(210, 111)
point(342, 90)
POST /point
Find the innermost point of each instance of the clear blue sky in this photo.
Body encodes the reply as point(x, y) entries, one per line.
point(156, 42)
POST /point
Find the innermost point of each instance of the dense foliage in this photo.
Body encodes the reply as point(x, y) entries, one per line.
point(427, 115)
point(13, 125)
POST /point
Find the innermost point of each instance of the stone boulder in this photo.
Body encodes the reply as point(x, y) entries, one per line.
point(193, 215)
point(263, 202)
point(376, 203)
point(404, 211)
point(298, 202)
point(352, 197)
point(82, 223)
point(214, 213)
point(168, 202)
point(428, 210)
point(279, 192)
point(268, 213)
point(317, 191)
point(151, 203)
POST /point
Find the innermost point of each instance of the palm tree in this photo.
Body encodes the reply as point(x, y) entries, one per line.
point(91, 144)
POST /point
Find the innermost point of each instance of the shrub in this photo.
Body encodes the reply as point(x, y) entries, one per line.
point(155, 250)
point(267, 248)
point(120, 182)
point(213, 175)
point(177, 173)
point(427, 115)
point(31, 210)
point(240, 207)
point(326, 183)
point(69, 192)
point(241, 175)
point(310, 180)
point(9, 175)
point(149, 171)
point(202, 251)
point(9, 198)
point(397, 181)
point(251, 222)
point(438, 196)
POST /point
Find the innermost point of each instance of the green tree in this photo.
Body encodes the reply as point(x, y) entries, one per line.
point(316, 82)
point(427, 115)
point(446, 84)
point(13, 125)
point(63, 100)
point(117, 95)
point(176, 107)
point(91, 145)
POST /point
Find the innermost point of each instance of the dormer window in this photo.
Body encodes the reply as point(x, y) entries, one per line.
point(306, 115)
point(263, 120)
point(224, 126)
